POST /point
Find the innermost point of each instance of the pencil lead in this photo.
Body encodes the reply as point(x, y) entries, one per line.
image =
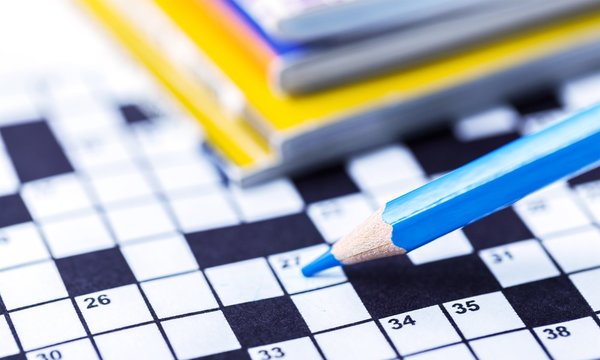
point(323, 262)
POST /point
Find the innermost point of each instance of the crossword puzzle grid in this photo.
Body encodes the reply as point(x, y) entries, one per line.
point(119, 240)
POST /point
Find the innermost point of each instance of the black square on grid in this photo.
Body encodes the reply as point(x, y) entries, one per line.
point(134, 114)
point(2, 307)
point(13, 210)
point(588, 176)
point(441, 152)
point(544, 99)
point(547, 301)
point(325, 184)
point(34, 151)
point(15, 357)
point(266, 321)
point(100, 270)
point(247, 241)
point(240, 354)
point(500, 228)
point(393, 285)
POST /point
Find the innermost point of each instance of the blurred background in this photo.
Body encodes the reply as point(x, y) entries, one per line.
point(183, 160)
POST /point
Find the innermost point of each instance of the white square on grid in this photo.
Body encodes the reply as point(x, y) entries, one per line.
point(575, 339)
point(159, 257)
point(128, 81)
point(334, 218)
point(587, 284)
point(287, 267)
point(203, 211)
point(21, 244)
point(47, 324)
point(419, 330)
point(535, 122)
point(97, 152)
point(372, 169)
point(76, 235)
point(383, 194)
point(514, 345)
point(79, 100)
point(113, 308)
point(518, 263)
point(243, 281)
point(144, 219)
point(454, 352)
point(123, 167)
point(31, 284)
point(178, 295)
point(79, 349)
point(191, 173)
point(582, 92)
point(272, 199)
point(560, 187)
point(552, 211)
point(200, 335)
point(142, 342)
point(330, 307)
point(165, 141)
point(495, 121)
point(18, 103)
point(363, 341)
point(297, 349)
point(126, 184)
point(67, 90)
point(483, 315)
point(8, 345)
point(448, 246)
point(97, 119)
point(168, 136)
point(589, 193)
point(56, 195)
point(576, 250)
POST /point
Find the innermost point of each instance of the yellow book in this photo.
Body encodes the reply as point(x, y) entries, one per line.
point(263, 133)
point(235, 140)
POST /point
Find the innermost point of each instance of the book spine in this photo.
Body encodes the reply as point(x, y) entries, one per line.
point(175, 46)
point(245, 150)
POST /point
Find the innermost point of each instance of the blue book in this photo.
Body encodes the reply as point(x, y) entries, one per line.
point(299, 65)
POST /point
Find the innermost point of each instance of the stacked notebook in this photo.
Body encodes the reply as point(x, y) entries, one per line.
point(282, 85)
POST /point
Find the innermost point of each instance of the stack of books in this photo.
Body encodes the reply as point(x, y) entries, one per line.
point(282, 85)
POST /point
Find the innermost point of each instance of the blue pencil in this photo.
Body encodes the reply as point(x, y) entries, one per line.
point(471, 192)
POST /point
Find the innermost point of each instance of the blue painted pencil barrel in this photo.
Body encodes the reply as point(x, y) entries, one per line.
point(495, 180)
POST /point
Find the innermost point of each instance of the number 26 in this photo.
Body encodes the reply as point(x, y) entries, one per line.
point(93, 302)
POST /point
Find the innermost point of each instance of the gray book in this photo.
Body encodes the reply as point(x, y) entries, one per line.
point(338, 61)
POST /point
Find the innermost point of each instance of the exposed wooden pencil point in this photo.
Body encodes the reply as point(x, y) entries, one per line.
point(370, 240)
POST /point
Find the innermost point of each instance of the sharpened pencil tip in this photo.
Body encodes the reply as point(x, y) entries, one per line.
point(321, 263)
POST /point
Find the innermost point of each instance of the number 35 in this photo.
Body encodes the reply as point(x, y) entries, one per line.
point(470, 305)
